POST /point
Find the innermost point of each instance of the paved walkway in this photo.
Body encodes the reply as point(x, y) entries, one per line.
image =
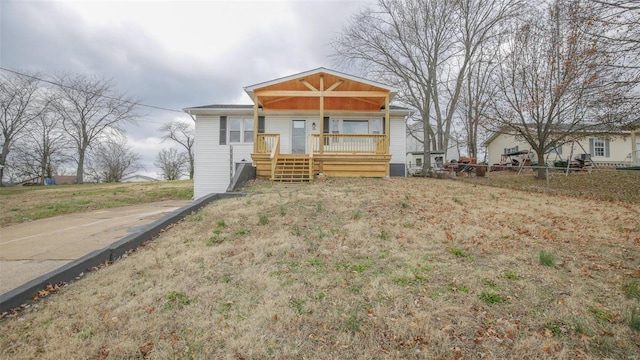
point(37, 247)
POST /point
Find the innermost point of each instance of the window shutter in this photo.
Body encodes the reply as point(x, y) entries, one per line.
point(591, 146)
point(606, 148)
point(223, 130)
point(325, 125)
point(383, 127)
point(260, 124)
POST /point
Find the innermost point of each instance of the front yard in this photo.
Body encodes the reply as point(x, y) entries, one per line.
point(360, 268)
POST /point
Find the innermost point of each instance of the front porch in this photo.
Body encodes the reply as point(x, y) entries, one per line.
point(359, 150)
point(335, 155)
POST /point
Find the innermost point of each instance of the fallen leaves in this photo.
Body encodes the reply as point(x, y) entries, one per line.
point(48, 290)
point(146, 349)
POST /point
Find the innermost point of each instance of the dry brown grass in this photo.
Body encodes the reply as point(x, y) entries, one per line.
point(358, 268)
point(599, 184)
point(24, 203)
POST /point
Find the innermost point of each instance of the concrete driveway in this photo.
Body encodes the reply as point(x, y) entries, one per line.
point(37, 247)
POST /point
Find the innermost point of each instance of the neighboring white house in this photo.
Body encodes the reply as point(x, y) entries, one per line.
point(415, 153)
point(613, 149)
point(138, 178)
point(316, 122)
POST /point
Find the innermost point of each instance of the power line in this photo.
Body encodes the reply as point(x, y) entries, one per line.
point(92, 93)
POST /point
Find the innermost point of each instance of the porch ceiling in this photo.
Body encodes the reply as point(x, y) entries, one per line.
point(305, 92)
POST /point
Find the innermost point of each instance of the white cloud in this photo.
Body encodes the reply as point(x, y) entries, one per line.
point(172, 54)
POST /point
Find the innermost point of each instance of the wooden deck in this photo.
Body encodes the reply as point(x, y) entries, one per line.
point(333, 165)
point(338, 156)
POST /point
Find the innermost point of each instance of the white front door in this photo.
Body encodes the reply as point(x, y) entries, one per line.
point(298, 136)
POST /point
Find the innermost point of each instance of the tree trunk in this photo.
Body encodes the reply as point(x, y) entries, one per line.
point(3, 158)
point(541, 165)
point(426, 147)
point(191, 169)
point(80, 170)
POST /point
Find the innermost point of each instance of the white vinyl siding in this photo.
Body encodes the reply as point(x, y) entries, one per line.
point(397, 139)
point(212, 165)
point(282, 126)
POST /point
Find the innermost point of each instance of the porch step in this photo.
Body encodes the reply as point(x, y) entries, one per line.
point(292, 168)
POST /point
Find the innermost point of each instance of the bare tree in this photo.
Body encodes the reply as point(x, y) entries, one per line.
point(182, 133)
point(475, 99)
point(91, 109)
point(555, 82)
point(622, 20)
point(172, 164)
point(44, 147)
point(112, 160)
point(423, 47)
point(19, 104)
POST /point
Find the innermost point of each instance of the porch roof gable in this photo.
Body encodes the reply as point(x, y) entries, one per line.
point(307, 90)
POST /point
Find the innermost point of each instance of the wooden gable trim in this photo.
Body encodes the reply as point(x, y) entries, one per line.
point(316, 93)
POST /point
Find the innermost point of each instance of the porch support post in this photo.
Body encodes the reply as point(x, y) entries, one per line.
point(255, 124)
point(634, 148)
point(387, 126)
point(321, 115)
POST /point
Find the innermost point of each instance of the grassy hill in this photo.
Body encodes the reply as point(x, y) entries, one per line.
point(360, 268)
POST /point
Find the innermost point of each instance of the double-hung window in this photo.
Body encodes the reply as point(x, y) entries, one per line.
point(598, 147)
point(241, 130)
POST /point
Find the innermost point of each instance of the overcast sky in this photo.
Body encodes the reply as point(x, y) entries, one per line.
point(172, 54)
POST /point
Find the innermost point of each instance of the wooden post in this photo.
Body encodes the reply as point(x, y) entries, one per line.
point(255, 123)
point(387, 126)
point(321, 115)
point(634, 148)
point(387, 122)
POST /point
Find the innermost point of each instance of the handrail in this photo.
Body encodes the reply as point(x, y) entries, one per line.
point(351, 144)
point(265, 142)
point(275, 152)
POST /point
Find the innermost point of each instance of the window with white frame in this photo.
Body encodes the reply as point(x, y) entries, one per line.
point(335, 126)
point(598, 147)
point(376, 126)
point(241, 130)
point(356, 126)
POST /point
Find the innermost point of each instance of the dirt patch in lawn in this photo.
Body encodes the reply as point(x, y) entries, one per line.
point(360, 268)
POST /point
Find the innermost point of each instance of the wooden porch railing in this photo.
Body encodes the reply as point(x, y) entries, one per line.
point(275, 152)
point(265, 143)
point(350, 144)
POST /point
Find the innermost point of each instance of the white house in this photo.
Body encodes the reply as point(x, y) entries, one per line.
point(316, 122)
point(613, 149)
point(415, 153)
